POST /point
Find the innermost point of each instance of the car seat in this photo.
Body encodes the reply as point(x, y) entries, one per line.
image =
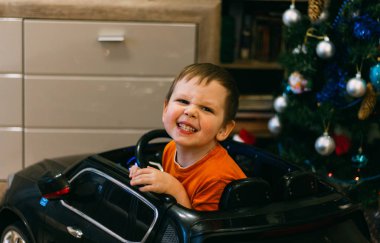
point(252, 191)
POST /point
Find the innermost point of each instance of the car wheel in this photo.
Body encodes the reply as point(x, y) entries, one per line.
point(15, 233)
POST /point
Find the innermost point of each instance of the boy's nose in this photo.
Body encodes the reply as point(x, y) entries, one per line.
point(190, 111)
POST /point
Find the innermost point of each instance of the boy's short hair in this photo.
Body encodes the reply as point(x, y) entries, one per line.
point(208, 72)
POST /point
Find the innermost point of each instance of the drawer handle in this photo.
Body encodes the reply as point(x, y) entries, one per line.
point(111, 38)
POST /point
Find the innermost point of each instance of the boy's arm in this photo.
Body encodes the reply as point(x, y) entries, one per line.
point(153, 180)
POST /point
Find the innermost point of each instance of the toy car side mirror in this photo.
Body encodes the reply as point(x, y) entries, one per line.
point(53, 187)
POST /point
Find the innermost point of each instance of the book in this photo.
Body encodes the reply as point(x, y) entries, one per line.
point(267, 39)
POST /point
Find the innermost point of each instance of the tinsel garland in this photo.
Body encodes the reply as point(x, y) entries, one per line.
point(339, 16)
point(365, 27)
point(334, 90)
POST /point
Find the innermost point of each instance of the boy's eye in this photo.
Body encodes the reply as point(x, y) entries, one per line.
point(207, 109)
point(182, 101)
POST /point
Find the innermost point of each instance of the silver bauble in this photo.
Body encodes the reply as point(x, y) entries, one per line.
point(325, 49)
point(274, 125)
point(291, 16)
point(356, 87)
point(280, 103)
point(324, 145)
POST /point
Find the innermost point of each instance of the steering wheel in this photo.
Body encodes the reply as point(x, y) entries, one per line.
point(141, 159)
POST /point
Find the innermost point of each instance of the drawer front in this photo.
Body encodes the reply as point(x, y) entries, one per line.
point(10, 151)
point(50, 143)
point(83, 102)
point(10, 45)
point(108, 48)
point(10, 100)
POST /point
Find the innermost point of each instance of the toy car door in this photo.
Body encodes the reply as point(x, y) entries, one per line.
point(70, 219)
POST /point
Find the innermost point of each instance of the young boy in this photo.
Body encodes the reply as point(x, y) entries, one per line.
point(198, 113)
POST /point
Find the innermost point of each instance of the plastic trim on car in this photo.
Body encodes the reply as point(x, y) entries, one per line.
point(122, 186)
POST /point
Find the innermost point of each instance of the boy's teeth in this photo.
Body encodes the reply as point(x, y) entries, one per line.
point(186, 128)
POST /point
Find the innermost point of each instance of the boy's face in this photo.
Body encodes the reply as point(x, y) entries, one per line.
point(194, 115)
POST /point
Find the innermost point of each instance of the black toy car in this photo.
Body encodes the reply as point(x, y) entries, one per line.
point(89, 199)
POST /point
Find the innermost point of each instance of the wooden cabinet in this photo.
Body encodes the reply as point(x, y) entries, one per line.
point(251, 42)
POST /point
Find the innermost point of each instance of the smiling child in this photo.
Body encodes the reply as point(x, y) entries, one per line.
point(198, 113)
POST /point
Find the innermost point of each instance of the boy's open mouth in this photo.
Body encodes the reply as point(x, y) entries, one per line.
point(186, 128)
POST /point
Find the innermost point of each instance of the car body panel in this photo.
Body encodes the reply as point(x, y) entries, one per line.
point(104, 207)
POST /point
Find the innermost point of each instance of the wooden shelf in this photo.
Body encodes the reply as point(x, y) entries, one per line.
point(274, 1)
point(257, 127)
point(252, 64)
point(252, 33)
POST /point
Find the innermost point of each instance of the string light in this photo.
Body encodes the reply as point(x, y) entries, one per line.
point(353, 181)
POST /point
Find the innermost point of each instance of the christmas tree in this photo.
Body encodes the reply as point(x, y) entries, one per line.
point(327, 119)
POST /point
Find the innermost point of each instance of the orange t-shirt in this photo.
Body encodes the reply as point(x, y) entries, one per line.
point(205, 180)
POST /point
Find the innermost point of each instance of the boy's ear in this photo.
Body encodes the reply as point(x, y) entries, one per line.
point(164, 109)
point(225, 131)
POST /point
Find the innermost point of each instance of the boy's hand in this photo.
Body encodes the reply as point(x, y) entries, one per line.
point(151, 179)
point(132, 170)
point(154, 180)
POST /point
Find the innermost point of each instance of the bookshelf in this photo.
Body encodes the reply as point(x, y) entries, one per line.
point(251, 41)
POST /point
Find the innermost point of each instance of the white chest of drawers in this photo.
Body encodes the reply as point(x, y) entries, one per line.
point(92, 85)
point(87, 76)
point(11, 115)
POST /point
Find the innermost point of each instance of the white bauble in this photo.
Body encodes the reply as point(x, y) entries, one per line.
point(274, 125)
point(291, 16)
point(356, 87)
point(280, 103)
point(324, 145)
point(325, 49)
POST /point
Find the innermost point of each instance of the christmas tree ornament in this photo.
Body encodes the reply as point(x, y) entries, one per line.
point(298, 84)
point(280, 103)
point(365, 27)
point(325, 49)
point(325, 144)
point(339, 17)
point(334, 89)
point(315, 8)
point(368, 104)
point(356, 87)
point(359, 160)
point(291, 16)
point(274, 125)
point(342, 144)
point(374, 76)
point(299, 49)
